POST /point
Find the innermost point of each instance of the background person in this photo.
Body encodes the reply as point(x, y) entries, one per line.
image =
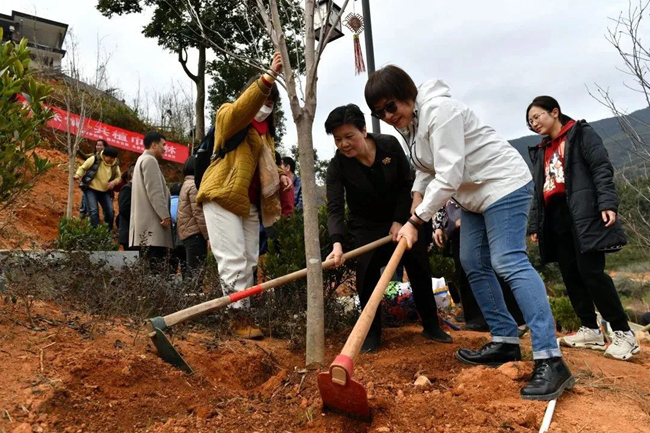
point(99, 174)
point(124, 208)
point(370, 173)
point(150, 223)
point(454, 153)
point(241, 187)
point(574, 221)
point(289, 167)
point(447, 227)
point(192, 230)
point(177, 254)
point(83, 209)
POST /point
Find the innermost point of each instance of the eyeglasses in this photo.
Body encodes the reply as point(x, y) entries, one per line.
point(535, 117)
point(389, 107)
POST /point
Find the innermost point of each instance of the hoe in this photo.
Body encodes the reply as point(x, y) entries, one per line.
point(157, 325)
point(337, 388)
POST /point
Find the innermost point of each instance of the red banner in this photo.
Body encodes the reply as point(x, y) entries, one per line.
point(117, 137)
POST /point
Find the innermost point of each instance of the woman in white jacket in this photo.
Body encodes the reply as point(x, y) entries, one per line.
point(457, 156)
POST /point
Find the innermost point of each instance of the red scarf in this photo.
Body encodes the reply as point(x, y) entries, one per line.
point(261, 127)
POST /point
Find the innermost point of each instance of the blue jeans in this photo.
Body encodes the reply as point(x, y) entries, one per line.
point(495, 241)
point(96, 198)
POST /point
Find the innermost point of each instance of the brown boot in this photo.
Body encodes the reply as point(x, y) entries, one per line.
point(248, 332)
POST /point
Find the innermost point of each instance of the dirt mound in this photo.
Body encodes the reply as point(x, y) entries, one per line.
point(91, 375)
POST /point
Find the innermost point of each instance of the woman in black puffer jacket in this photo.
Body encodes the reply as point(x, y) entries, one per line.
point(573, 218)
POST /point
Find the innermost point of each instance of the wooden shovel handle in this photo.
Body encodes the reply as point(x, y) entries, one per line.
point(358, 335)
point(215, 304)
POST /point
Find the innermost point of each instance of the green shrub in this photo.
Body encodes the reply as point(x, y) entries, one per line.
point(78, 234)
point(282, 312)
point(564, 315)
point(20, 166)
point(442, 266)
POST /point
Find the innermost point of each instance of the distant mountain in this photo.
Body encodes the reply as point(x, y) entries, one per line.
point(617, 143)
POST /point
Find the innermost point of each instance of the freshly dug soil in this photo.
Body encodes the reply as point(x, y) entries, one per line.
point(81, 374)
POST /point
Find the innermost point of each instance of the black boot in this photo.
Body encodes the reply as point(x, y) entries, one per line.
point(372, 341)
point(492, 354)
point(435, 333)
point(550, 378)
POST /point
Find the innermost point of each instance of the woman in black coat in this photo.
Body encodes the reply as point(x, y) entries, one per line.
point(573, 219)
point(370, 173)
point(124, 209)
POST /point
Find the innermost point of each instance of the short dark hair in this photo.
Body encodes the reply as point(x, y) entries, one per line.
point(110, 152)
point(546, 103)
point(389, 82)
point(188, 166)
point(104, 142)
point(345, 114)
point(287, 160)
point(152, 137)
point(175, 188)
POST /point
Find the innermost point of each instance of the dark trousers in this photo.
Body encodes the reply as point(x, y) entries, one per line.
point(178, 257)
point(583, 274)
point(196, 250)
point(83, 209)
point(94, 199)
point(471, 310)
point(417, 267)
point(156, 257)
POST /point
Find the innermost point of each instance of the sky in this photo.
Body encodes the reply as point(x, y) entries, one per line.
point(496, 56)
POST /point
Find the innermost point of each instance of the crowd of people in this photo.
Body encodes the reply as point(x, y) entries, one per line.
point(453, 168)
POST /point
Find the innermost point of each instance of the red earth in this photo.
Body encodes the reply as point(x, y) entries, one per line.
point(82, 374)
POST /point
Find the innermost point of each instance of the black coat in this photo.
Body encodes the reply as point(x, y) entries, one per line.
point(589, 181)
point(375, 196)
point(124, 217)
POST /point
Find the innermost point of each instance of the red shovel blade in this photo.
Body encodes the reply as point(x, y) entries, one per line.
point(350, 398)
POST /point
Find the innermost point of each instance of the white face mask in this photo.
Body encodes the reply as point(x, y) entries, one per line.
point(263, 113)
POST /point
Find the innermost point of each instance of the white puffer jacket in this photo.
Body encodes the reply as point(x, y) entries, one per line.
point(457, 156)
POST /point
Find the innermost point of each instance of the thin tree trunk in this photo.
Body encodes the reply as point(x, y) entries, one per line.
point(68, 211)
point(315, 304)
point(200, 96)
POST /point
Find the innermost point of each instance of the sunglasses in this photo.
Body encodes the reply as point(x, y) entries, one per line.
point(389, 107)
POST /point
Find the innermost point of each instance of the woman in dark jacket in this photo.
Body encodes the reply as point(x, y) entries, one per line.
point(124, 208)
point(574, 221)
point(371, 174)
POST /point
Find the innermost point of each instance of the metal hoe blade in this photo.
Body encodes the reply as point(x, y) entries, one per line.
point(167, 351)
point(350, 399)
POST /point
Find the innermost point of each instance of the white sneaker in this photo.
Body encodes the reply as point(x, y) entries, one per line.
point(624, 346)
point(584, 338)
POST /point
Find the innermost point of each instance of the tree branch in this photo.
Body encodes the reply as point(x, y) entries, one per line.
point(183, 61)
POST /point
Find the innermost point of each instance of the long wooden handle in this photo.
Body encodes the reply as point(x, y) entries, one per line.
point(358, 335)
point(215, 304)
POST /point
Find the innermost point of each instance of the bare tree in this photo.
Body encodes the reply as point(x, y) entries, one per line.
point(302, 93)
point(77, 97)
point(626, 37)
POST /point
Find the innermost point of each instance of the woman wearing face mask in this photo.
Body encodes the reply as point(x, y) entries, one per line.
point(458, 156)
point(574, 221)
point(370, 173)
point(241, 187)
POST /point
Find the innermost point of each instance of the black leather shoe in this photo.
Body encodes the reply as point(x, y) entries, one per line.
point(550, 378)
point(492, 354)
point(371, 343)
point(436, 334)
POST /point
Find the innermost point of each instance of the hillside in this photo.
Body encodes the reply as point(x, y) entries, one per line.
point(616, 141)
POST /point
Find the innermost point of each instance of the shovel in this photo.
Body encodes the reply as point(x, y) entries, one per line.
point(157, 325)
point(336, 386)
